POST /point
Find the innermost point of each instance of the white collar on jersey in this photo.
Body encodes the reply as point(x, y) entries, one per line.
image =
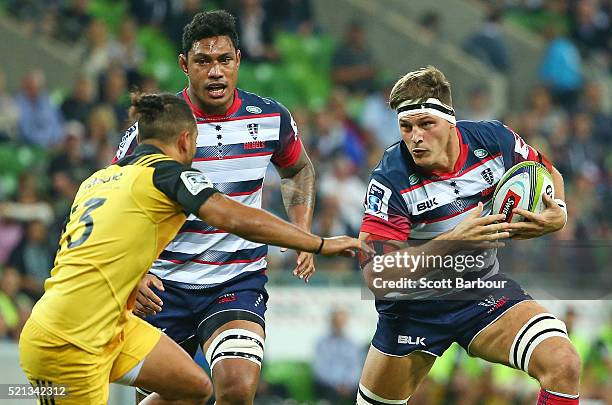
point(432, 106)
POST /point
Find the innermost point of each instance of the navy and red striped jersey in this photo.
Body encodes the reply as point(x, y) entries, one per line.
point(234, 150)
point(404, 202)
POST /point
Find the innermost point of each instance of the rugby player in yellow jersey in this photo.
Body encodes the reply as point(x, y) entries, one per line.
point(82, 333)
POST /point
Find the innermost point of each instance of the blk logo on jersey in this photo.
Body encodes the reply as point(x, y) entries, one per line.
point(418, 341)
point(426, 205)
point(487, 175)
point(253, 130)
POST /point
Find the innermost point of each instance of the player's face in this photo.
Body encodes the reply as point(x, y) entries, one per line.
point(427, 138)
point(212, 68)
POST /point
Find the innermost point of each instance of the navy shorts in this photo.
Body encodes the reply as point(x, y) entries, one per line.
point(191, 316)
point(431, 326)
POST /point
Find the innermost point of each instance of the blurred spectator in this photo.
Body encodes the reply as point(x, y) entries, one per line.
point(33, 258)
point(9, 113)
point(379, 119)
point(40, 122)
point(126, 52)
point(79, 103)
point(73, 20)
point(352, 63)
point(70, 161)
point(28, 204)
point(290, 15)
point(592, 29)
point(561, 67)
point(100, 146)
point(547, 116)
point(177, 19)
point(592, 102)
point(337, 363)
point(584, 152)
point(149, 12)
point(488, 43)
point(10, 282)
point(113, 89)
point(255, 32)
point(479, 106)
point(97, 54)
point(431, 27)
point(342, 184)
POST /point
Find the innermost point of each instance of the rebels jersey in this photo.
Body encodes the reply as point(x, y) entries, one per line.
point(121, 219)
point(234, 150)
point(403, 202)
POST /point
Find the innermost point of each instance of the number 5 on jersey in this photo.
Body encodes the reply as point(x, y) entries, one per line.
point(86, 219)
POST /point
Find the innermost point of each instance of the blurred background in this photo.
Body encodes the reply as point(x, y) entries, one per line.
point(541, 66)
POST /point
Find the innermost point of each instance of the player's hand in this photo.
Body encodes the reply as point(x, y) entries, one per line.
point(147, 303)
point(550, 220)
point(489, 229)
point(305, 267)
point(344, 246)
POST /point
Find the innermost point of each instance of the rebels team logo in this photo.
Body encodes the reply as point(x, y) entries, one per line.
point(253, 130)
point(487, 175)
point(492, 303)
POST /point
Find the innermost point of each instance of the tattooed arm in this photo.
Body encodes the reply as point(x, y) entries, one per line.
point(298, 191)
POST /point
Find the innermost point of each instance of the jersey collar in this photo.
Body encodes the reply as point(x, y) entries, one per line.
point(199, 113)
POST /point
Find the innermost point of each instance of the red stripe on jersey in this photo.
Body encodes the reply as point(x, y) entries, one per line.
point(244, 117)
point(290, 156)
point(469, 169)
point(463, 152)
point(397, 228)
point(548, 398)
point(245, 155)
point(229, 262)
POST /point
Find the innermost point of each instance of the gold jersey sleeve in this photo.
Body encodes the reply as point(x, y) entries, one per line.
point(119, 223)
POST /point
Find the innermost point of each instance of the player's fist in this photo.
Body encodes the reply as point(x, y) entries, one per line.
point(345, 246)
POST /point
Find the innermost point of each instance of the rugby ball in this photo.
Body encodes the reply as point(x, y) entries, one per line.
point(522, 186)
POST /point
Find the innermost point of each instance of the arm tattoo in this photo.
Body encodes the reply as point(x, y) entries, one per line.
point(299, 189)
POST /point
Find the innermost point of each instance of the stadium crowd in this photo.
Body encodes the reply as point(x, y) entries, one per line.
point(72, 132)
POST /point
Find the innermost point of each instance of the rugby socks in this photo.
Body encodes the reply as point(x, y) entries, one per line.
point(555, 398)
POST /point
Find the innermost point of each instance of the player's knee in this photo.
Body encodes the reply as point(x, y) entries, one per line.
point(238, 390)
point(559, 365)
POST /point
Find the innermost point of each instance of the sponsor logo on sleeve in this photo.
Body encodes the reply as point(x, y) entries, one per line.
point(377, 200)
point(253, 109)
point(480, 153)
point(195, 181)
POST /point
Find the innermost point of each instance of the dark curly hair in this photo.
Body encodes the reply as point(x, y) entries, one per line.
point(209, 24)
point(161, 116)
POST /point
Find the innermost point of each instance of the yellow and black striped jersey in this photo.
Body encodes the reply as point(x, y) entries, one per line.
point(121, 219)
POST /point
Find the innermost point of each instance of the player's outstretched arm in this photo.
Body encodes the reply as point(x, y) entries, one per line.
point(260, 226)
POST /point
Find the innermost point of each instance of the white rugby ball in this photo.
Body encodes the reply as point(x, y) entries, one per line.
point(522, 186)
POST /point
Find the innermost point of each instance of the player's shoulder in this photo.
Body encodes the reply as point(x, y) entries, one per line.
point(394, 167)
point(484, 128)
point(255, 104)
point(486, 133)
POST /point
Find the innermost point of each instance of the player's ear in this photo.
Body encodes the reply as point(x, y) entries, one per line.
point(182, 61)
point(238, 56)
